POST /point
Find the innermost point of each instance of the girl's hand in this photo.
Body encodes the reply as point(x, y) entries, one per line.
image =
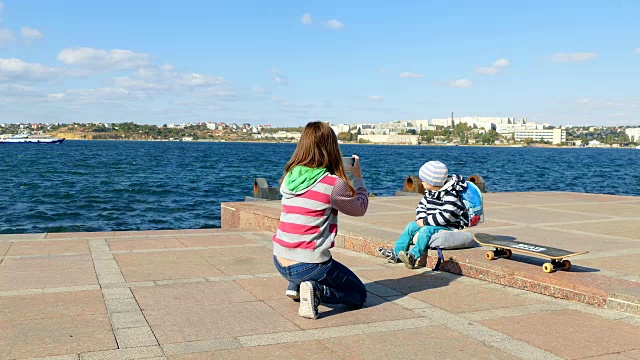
point(420, 222)
point(355, 169)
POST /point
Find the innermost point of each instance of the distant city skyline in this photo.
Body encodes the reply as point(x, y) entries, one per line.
point(287, 63)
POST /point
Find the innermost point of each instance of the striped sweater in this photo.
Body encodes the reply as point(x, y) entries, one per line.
point(309, 218)
point(444, 207)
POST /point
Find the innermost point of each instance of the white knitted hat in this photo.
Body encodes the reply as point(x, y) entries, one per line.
point(434, 173)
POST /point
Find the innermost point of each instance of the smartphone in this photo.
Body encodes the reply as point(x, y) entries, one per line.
point(348, 161)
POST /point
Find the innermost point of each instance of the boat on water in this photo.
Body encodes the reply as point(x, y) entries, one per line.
point(30, 139)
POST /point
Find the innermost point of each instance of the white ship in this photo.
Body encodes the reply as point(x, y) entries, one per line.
point(32, 139)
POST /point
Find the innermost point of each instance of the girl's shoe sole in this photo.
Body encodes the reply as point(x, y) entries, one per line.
point(307, 308)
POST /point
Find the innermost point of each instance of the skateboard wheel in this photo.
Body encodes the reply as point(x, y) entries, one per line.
point(489, 255)
point(507, 253)
point(567, 265)
point(547, 267)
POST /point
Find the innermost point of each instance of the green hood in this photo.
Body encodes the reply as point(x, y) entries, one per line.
point(301, 178)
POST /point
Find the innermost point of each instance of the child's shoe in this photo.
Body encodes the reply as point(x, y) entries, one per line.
point(408, 259)
point(309, 301)
point(389, 254)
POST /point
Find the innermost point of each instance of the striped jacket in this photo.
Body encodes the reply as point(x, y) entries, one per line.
point(309, 218)
point(444, 207)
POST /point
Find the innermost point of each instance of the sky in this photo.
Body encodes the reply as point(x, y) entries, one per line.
point(284, 63)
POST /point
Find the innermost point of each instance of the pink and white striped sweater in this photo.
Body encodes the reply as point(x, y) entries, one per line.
point(309, 218)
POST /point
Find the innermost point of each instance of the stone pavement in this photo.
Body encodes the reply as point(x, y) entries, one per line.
point(214, 294)
point(607, 226)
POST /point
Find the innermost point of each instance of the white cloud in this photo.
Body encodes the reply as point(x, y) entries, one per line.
point(278, 77)
point(214, 92)
point(334, 24)
point(153, 80)
point(495, 68)
point(637, 51)
point(197, 80)
point(31, 34)
point(19, 70)
point(487, 70)
point(90, 95)
point(6, 36)
point(15, 90)
point(103, 59)
point(460, 83)
point(306, 19)
point(500, 63)
point(57, 96)
point(573, 57)
point(1, 8)
point(167, 67)
point(407, 74)
point(135, 83)
point(376, 97)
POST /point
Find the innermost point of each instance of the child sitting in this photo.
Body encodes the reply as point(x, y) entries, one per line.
point(440, 209)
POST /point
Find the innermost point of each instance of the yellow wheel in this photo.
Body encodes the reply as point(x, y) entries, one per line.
point(489, 255)
point(567, 265)
point(507, 253)
point(547, 267)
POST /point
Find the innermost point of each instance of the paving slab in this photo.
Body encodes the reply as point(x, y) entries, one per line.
point(84, 235)
point(55, 336)
point(213, 240)
point(308, 350)
point(626, 228)
point(617, 209)
point(569, 334)
point(168, 271)
point(215, 321)
point(264, 289)
point(621, 264)
point(162, 257)
point(145, 244)
point(51, 305)
point(46, 263)
point(48, 247)
point(4, 247)
point(198, 294)
point(433, 342)
point(46, 279)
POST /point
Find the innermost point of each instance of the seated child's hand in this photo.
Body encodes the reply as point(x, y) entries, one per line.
point(420, 222)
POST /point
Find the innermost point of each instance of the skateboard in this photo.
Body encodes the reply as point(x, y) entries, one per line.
point(505, 248)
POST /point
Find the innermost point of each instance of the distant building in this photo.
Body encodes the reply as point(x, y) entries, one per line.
point(391, 139)
point(340, 128)
point(633, 134)
point(212, 126)
point(507, 129)
point(555, 136)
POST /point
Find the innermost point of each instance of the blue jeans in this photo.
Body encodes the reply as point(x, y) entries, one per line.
point(341, 285)
point(424, 236)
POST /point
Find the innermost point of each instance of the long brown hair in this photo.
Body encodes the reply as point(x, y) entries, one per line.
point(318, 148)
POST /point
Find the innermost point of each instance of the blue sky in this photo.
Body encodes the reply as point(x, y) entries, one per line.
point(288, 62)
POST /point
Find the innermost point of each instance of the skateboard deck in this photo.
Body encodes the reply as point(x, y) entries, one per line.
point(506, 247)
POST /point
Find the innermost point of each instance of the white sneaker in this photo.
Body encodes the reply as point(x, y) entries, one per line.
point(292, 294)
point(308, 301)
